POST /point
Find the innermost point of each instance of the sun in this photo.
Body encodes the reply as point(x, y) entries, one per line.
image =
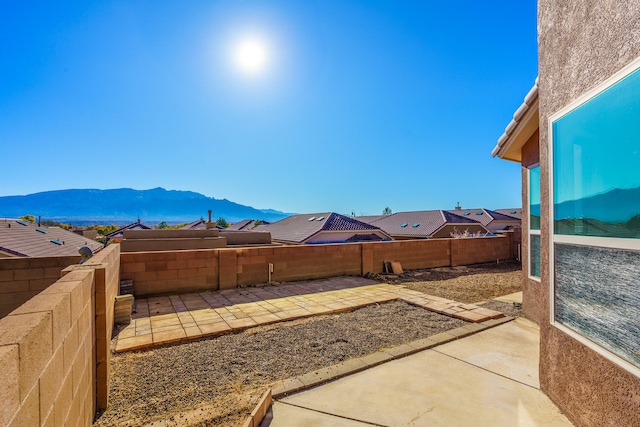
point(251, 55)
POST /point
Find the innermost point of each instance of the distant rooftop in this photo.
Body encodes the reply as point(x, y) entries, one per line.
point(484, 216)
point(117, 234)
point(421, 224)
point(306, 227)
point(23, 239)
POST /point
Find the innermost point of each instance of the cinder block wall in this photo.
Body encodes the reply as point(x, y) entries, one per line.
point(156, 273)
point(469, 251)
point(107, 285)
point(23, 278)
point(412, 253)
point(46, 357)
point(176, 271)
point(49, 347)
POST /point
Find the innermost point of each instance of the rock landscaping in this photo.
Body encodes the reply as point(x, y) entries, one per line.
point(217, 381)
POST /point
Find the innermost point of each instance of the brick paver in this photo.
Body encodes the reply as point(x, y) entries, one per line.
point(175, 318)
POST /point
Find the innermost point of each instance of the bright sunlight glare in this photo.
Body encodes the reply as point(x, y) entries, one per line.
point(251, 55)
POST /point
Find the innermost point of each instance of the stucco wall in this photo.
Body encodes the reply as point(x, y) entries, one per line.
point(534, 292)
point(581, 43)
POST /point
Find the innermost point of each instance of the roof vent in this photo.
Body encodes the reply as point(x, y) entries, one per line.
point(512, 212)
point(312, 218)
point(57, 242)
point(39, 230)
point(416, 225)
point(22, 223)
point(320, 218)
point(404, 224)
point(479, 213)
point(467, 213)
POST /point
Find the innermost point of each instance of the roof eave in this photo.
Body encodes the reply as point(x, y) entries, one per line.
point(524, 124)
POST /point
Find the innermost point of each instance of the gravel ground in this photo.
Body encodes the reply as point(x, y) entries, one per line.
point(467, 284)
point(220, 379)
point(230, 371)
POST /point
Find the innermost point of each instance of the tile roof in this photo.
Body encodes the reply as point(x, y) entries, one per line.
point(299, 228)
point(200, 224)
point(513, 212)
point(370, 218)
point(134, 226)
point(419, 224)
point(482, 215)
point(525, 122)
point(21, 238)
point(247, 224)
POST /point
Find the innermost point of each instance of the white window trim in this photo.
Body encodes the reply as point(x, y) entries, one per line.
point(605, 242)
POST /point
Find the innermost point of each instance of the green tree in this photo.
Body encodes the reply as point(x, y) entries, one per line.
point(28, 218)
point(386, 211)
point(221, 222)
point(106, 229)
point(163, 225)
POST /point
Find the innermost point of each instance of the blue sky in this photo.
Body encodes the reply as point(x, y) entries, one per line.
point(360, 104)
point(596, 144)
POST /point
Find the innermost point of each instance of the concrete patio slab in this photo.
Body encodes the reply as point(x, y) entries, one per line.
point(435, 389)
point(511, 298)
point(295, 416)
point(511, 350)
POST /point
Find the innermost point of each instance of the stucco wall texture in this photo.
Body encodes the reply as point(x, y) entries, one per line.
point(580, 44)
point(533, 291)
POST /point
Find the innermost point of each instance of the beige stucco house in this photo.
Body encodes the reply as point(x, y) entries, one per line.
point(577, 137)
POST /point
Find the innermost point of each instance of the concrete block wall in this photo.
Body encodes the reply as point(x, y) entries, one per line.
point(155, 273)
point(106, 265)
point(23, 278)
point(47, 356)
point(291, 263)
point(481, 249)
point(412, 254)
point(174, 271)
point(54, 355)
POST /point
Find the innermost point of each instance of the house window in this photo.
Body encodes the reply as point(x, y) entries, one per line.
point(595, 211)
point(534, 222)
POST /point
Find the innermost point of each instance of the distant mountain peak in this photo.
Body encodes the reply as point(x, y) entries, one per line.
point(124, 205)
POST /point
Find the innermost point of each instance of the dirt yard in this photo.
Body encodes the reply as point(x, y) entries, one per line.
point(217, 381)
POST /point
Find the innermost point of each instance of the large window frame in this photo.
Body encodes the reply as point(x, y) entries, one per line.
point(587, 241)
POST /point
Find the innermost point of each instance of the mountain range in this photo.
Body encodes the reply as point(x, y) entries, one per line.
point(126, 205)
point(615, 206)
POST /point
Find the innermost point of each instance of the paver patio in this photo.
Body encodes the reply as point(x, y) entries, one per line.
point(174, 318)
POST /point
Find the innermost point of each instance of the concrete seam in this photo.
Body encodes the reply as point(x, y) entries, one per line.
point(333, 415)
point(487, 370)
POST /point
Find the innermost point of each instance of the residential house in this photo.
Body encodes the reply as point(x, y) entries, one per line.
point(576, 136)
point(426, 225)
point(247, 224)
point(514, 212)
point(325, 227)
point(494, 221)
point(117, 234)
point(20, 238)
